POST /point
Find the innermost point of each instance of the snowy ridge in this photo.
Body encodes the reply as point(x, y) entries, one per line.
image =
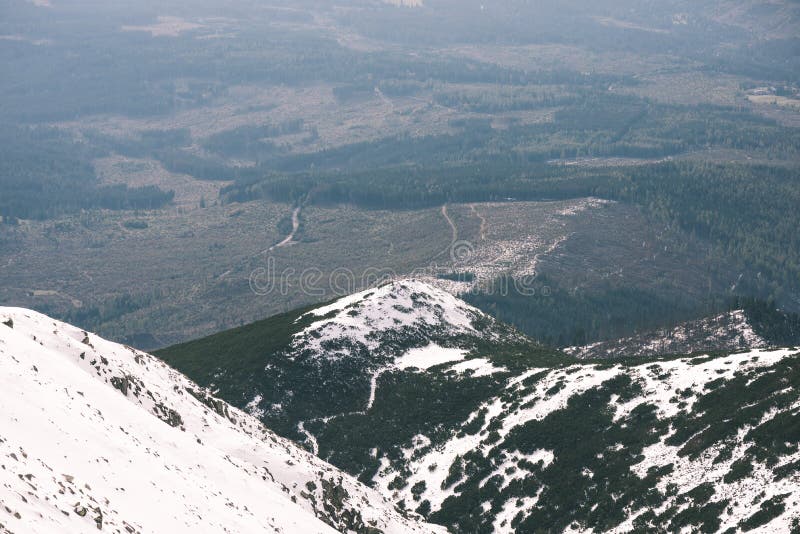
point(726, 331)
point(96, 435)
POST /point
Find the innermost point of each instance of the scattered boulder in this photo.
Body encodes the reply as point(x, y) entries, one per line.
point(121, 383)
point(218, 406)
point(167, 414)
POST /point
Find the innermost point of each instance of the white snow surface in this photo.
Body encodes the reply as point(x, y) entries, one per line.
point(400, 306)
point(478, 367)
point(429, 356)
point(76, 451)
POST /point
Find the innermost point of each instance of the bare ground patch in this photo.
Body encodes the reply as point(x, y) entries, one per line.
point(133, 172)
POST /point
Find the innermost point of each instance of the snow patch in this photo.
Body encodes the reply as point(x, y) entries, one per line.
point(430, 356)
point(478, 366)
point(253, 408)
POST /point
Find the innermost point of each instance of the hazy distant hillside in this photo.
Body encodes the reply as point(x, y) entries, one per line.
point(757, 325)
point(155, 152)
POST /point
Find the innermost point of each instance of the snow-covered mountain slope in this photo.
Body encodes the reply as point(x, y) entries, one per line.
point(477, 428)
point(96, 435)
point(726, 331)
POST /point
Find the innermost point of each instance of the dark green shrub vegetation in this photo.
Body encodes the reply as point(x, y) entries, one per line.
point(739, 469)
point(742, 401)
point(704, 517)
point(778, 327)
point(407, 404)
point(564, 318)
point(583, 473)
point(768, 510)
point(589, 482)
point(241, 374)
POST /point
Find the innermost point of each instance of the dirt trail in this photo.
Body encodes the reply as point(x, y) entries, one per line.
point(289, 239)
point(453, 226)
point(482, 219)
point(453, 233)
point(373, 388)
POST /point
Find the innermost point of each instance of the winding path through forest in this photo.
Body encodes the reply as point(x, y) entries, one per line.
point(373, 388)
point(453, 227)
point(453, 232)
point(289, 239)
point(482, 219)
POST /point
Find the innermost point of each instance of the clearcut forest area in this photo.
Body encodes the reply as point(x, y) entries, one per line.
point(640, 160)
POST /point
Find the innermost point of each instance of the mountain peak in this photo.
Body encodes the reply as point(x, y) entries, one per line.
point(405, 289)
point(387, 320)
point(330, 361)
